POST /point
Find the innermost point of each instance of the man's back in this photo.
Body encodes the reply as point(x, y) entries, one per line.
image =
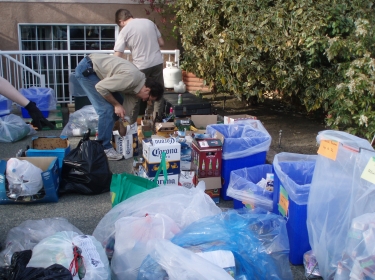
point(141, 37)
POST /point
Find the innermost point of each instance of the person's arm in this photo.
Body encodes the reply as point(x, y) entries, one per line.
point(38, 120)
point(119, 54)
point(11, 93)
point(161, 42)
point(119, 110)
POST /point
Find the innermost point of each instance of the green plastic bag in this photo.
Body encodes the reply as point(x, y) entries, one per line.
point(126, 185)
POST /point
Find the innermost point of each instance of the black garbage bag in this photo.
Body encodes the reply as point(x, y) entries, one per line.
point(86, 169)
point(18, 270)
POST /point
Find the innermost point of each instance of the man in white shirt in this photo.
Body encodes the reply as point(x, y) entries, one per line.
point(142, 37)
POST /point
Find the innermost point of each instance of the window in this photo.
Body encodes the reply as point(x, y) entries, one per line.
point(71, 37)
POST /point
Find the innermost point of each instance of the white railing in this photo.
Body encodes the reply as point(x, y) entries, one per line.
point(24, 69)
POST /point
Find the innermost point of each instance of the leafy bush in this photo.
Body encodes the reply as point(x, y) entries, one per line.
point(320, 52)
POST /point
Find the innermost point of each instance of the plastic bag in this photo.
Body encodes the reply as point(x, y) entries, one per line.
point(257, 240)
point(243, 186)
point(58, 248)
point(169, 261)
point(311, 266)
point(136, 236)
point(80, 121)
point(242, 139)
point(44, 98)
point(31, 232)
point(182, 205)
point(86, 169)
point(24, 178)
point(14, 128)
point(18, 270)
point(338, 194)
point(126, 185)
point(295, 172)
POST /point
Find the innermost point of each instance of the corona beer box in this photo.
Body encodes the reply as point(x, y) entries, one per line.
point(50, 177)
point(154, 147)
point(206, 157)
point(173, 168)
point(128, 144)
point(171, 180)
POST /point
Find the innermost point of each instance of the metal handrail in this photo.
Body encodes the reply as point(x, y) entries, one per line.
point(51, 68)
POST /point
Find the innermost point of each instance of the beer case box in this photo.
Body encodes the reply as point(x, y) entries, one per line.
point(165, 129)
point(50, 177)
point(201, 121)
point(213, 187)
point(173, 167)
point(146, 127)
point(234, 118)
point(126, 146)
point(171, 179)
point(49, 147)
point(153, 148)
point(206, 157)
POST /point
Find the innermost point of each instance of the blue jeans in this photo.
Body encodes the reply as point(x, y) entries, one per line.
point(103, 108)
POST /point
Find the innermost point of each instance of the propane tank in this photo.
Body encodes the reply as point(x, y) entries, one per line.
point(172, 75)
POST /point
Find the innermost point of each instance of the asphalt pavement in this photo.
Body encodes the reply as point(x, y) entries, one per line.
point(82, 211)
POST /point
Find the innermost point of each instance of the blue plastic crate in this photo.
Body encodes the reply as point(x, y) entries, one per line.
point(25, 113)
point(5, 106)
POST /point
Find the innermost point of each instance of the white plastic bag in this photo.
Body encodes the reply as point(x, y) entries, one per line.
point(182, 264)
point(24, 178)
point(31, 232)
point(14, 128)
point(135, 240)
point(182, 205)
point(81, 120)
point(58, 248)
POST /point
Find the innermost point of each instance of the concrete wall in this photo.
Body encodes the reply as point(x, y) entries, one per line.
point(12, 13)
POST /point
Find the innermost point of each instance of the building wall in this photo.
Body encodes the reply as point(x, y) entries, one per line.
point(14, 12)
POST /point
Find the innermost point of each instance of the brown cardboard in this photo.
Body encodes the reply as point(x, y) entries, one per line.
point(201, 121)
point(211, 182)
point(234, 118)
point(49, 143)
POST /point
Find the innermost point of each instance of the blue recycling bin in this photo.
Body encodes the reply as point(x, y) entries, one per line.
point(293, 176)
point(244, 189)
point(44, 99)
point(245, 144)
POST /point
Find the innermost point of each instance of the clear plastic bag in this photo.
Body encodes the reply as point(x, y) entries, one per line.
point(257, 240)
point(182, 205)
point(58, 248)
point(136, 237)
point(338, 194)
point(295, 172)
point(242, 139)
point(80, 121)
point(14, 128)
point(243, 186)
point(31, 232)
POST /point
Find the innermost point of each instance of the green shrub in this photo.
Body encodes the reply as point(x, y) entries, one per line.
point(320, 52)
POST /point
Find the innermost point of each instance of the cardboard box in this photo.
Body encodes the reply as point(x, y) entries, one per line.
point(50, 177)
point(127, 145)
point(49, 147)
point(201, 121)
point(171, 180)
point(213, 187)
point(206, 157)
point(234, 118)
point(165, 129)
point(153, 148)
point(146, 127)
point(173, 167)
